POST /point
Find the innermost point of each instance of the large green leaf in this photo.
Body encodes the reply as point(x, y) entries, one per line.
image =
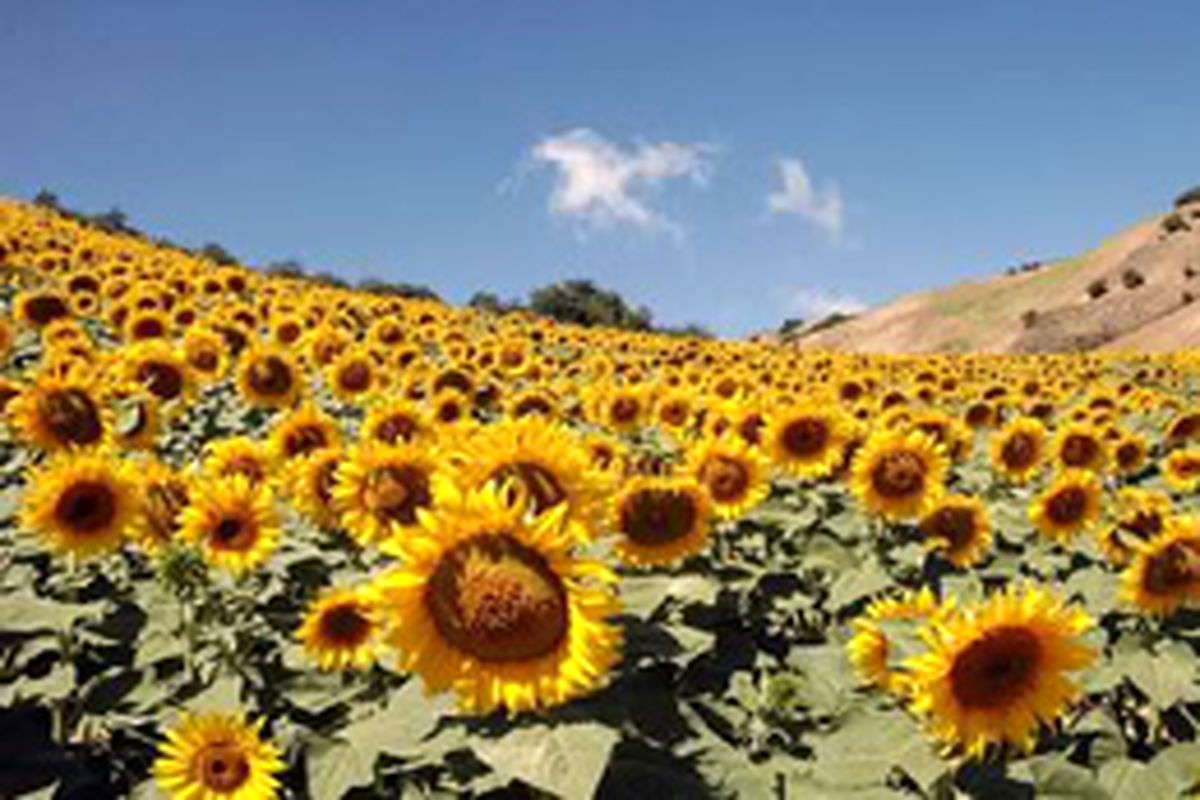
point(335, 767)
point(568, 759)
point(24, 612)
point(868, 746)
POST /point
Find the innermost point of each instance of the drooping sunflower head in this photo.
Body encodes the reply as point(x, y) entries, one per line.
point(1165, 572)
point(341, 629)
point(1069, 505)
point(61, 412)
point(269, 377)
point(492, 604)
point(80, 504)
point(958, 529)
point(215, 755)
point(310, 482)
point(899, 475)
point(303, 432)
point(660, 520)
point(1019, 449)
point(806, 440)
point(165, 494)
point(233, 521)
point(735, 475)
point(378, 490)
point(1141, 515)
point(998, 671)
point(238, 455)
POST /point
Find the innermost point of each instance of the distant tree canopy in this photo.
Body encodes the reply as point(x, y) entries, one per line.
point(581, 302)
point(408, 291)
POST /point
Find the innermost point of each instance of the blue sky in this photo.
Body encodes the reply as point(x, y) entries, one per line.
point(725, 163)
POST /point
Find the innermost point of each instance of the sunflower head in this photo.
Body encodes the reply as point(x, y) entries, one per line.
point(660, 520)
point(80, 504)
point(997, 671)
point(60, 412)
point(1019, 449)
point(958, 529)
point(217, 755)
point(1165, 572)
point(1069, 505)
point(899, 475)
point(233, 521)
point(491, 603)
point(341, 629)
point(806, 440)
point(268, 377)
point(378, 489)
point(869, 648)
point(734, 474)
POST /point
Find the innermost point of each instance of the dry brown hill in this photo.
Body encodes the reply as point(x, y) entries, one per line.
point(1134, 291)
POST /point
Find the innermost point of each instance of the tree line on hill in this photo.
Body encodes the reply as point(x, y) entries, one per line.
point(577, 301)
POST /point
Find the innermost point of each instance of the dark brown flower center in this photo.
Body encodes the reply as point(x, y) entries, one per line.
point(396, 428)
point(87, 506)
point(1019, 451)
point(534, 404)
point(805, 437)
point(233, 533)
point(72, 417)
point(1172, 570)
point(222, 766)
point(355, 377)
point(954, 524)
point(305, 439)
point(205, 360)
point(1128, 455)
point(326, 479)
point(658, 516)
point(271, 376)
point(1068, 505)
point(625, 410)
point(498, 600)
point(727, 478)
point(1079, 450)
point(44, 309)
point(162, 380)
point(345, 625)
point(899, 474)
point(997, 668)
point(531, 482)
point(394, 493)
point(674, 413)
point(148, 328)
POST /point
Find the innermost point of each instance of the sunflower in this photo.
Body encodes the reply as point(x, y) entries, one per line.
point(165, 494)
point(958, 529)
point(1181, 469)
point(491, 603)
point(1018, 449)
point(159, 367)
point(996, 671)
point(1165, 572)
point(735, 475)
point(238, 455)
point(309, 483)
point(210, 756)
point(396, 420)
point(899, 475)
point(135, 414)
point(268, 376)
point(352, 375)
point(302, 432)
point(660, 520)
point(378, 489)
point(675, 410)
point(204, 352)
point(1069, 505)
point(617, 408)
point(1080, 446)
point(608, 454)
point(59, 412)
point(806, 440)
point(1130, 452)
point(537, 459)
point(341, 629)
point(869, 650)
point(80, 504)
point(233, 521)
point(1141, 516)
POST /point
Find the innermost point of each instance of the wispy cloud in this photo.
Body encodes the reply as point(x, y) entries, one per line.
point(602, 184)
point(799, 196)
point(811, 304)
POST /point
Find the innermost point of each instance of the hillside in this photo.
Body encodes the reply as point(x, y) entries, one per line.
point(1134, 291)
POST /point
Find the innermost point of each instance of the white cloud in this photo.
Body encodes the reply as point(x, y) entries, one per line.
point(798, 195)
point(812, 304)
point(603, 185)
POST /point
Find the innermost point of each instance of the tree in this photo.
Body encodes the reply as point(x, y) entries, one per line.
point(581, 302)
point(287, 268)
point(47, 199)
point(219, 254)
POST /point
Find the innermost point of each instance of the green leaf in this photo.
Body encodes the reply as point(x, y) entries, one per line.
point(643, 595)
point(400, 727)
point(1166, 677)
point(24, 612)
point(1097, 588)
point(826, 682)
point(335, 767)
point(868, 746)
point(568, 760)
point(858, 583)
point(1054, 777)
point(1171, 773)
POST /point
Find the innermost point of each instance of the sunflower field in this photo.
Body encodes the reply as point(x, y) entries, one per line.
point(268, 538)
